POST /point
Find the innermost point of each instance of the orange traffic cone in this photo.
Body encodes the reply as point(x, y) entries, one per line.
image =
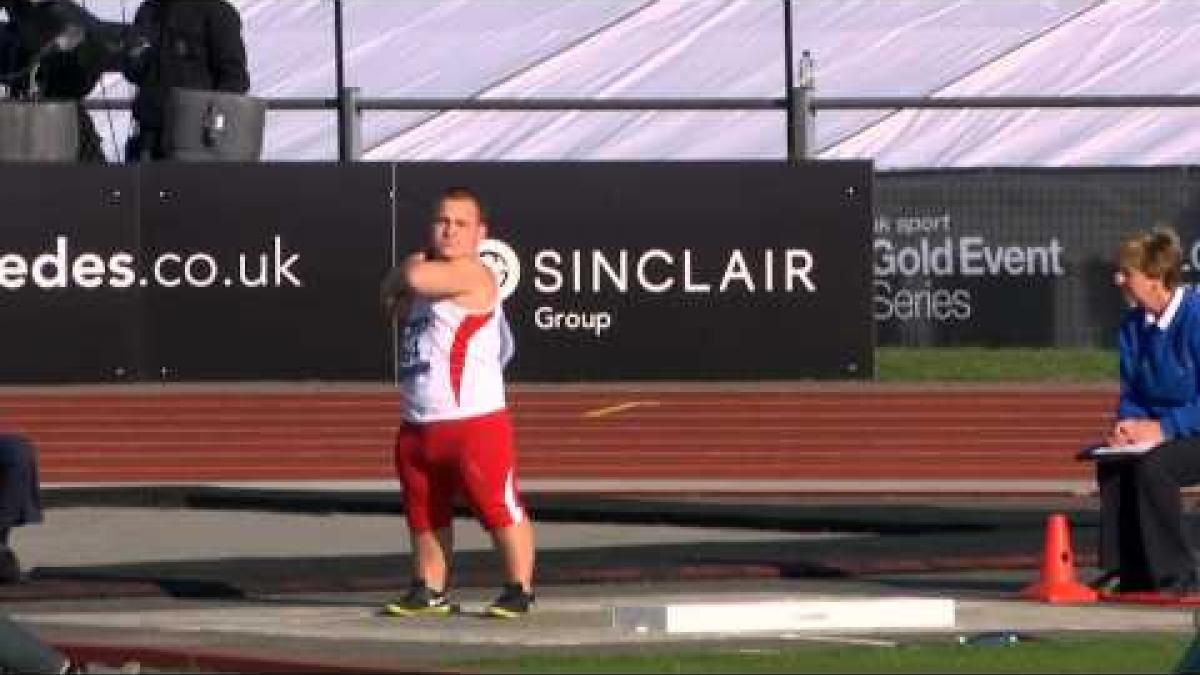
point(1058, 584)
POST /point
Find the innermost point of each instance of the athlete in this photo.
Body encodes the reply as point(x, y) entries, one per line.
point(456, 434)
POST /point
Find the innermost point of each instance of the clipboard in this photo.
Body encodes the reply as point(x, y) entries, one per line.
point(1099, 452)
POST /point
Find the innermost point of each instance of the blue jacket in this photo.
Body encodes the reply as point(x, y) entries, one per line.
point(1159, 379)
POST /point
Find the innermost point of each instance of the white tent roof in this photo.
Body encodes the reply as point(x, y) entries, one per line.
point(609, 49)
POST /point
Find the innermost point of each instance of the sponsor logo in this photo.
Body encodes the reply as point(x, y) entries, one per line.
point(923, 268)
point(504, 263)
point(64, 267)
point(575, 276)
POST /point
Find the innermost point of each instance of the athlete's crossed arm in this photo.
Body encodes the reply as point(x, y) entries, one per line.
point(394, 294)
point(436, 278)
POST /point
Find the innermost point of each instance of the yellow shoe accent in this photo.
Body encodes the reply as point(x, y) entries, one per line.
point(501, 613)
point(395, 609)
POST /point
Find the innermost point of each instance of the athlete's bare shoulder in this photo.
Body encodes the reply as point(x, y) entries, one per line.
point(482, 291)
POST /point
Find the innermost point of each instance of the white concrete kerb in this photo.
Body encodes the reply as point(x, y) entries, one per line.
point(774, 616)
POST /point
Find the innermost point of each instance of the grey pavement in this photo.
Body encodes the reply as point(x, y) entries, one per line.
point(564, 618)
point(98, 536)
point(296, 576)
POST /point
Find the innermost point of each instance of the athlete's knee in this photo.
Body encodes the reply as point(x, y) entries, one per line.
point(420, 520)
point(423, 514)
point(499, 516)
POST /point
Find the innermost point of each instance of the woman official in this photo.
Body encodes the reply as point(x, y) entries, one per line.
point(1143, 545)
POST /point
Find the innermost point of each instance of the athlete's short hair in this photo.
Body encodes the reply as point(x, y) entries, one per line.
point(460, 193)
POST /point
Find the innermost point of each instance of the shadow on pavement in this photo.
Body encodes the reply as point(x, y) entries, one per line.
point(224, 578)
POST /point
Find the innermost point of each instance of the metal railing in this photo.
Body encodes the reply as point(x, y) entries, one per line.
point(800, 102)
point(802, 106)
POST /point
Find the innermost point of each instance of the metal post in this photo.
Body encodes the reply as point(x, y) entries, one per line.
point(789, 86)
point(35, 91)
point(804, 122)
point(350, 130)
point(345, 133)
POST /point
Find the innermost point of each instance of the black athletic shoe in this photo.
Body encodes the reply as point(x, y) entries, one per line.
point(1187, 583)
point(1108, 582)
point(513, 602)
point(420, 600)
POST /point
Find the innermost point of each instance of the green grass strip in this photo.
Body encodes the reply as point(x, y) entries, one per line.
point(1105, 654)
point(979, 364)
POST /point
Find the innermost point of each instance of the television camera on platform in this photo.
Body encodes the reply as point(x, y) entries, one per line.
point(53, 53)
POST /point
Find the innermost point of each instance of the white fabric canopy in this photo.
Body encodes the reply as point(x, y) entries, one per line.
point(609, 49)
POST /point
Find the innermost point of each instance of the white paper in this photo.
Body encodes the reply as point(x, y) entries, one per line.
point(1117, 450)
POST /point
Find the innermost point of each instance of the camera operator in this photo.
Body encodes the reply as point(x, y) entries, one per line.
point(190, 44)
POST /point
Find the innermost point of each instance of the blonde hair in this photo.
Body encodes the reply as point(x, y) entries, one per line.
point(1157, 254)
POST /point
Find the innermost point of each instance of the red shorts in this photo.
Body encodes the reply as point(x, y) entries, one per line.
point(475, 455)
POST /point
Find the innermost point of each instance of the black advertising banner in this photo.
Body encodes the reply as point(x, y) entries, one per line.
point(1015, 256)
point(633, 271)
point(188, 272)
point(68, 296)
point(265, 271)
point(636, 271)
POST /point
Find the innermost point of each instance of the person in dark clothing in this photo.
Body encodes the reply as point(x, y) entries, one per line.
point(190, 44)
point(23, 652)
point(9, 46)
point(1143, 542)
point(20, 498)
point(69, 69)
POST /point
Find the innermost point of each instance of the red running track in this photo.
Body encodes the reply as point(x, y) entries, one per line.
point(784, 432)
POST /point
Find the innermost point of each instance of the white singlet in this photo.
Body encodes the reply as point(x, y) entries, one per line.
point(452, 361)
